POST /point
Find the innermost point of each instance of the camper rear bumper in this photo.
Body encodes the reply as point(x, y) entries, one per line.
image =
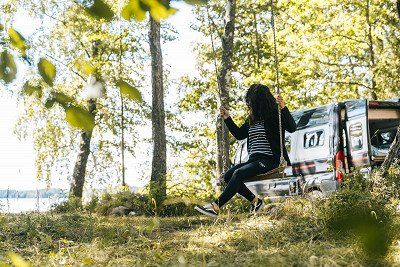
point(324, 182)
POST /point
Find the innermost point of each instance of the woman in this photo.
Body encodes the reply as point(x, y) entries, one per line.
point(262, 132)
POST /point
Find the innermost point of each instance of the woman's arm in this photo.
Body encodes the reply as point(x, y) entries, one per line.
point(238, 132)
point(288, 122)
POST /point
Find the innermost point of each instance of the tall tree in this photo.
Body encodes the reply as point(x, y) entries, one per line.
point(224, 81)
point(394, 151)
point(324, 57)
point(79, 173)
point(159, 161)
point(370, 43)
point(93, 48)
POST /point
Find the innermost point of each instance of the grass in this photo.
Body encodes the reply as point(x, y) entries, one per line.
point(284, 236)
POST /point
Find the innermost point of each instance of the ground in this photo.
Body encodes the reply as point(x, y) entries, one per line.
point(232, 240)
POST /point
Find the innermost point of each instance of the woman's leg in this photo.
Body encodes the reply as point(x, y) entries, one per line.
point(243, 190)
point(236, 181)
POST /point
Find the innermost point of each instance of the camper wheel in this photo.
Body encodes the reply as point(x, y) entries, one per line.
point(314, 193)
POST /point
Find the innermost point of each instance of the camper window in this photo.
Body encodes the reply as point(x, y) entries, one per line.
point(314, 139)
point(312, 117)
point(355, 131)
point(288, 143)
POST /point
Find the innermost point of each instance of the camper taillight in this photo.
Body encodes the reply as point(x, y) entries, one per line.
point(339, 166)
point(373, 103)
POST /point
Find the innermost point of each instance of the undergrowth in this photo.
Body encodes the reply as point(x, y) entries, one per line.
point(355, 226)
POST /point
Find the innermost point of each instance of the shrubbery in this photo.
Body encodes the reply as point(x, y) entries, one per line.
point(140, 204)
point(362, 211)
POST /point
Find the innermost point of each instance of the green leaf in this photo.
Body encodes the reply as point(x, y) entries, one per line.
point(100, 10)
point(47, 70)
point(1, 27)
point(17, 260)
point(84, 66)
point(137, 9)
point(32, 90)
point(134, 9)
point(196, 2)
point(87, 261)
point(49, 103)
point(17, 40)
point(129, 91)
point(8, 68)
point(80, 117)
point(62, 99)
point(158, 10)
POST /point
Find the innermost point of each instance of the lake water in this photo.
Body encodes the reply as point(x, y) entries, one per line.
point(17, 205)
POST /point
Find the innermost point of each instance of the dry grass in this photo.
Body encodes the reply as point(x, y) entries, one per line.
point(286, 236)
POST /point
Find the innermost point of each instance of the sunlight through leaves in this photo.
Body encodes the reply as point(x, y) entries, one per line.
point(93, 89)
point(17, 260)
point(100, 10)
point(196, 2)
point(84, 67)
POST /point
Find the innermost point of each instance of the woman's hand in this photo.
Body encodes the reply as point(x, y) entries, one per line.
point(280, 101)
point(224, 112)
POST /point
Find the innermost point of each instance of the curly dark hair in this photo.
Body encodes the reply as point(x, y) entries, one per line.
point(261, 102)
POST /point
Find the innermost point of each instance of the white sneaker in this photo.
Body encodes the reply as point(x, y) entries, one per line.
point(207, 210)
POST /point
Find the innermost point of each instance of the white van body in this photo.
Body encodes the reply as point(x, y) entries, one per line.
point(331, 140)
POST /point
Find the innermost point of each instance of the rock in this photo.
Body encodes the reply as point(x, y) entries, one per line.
point(119, 211)
point(132, 213)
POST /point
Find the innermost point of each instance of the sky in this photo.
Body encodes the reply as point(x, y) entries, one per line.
point(17, 170)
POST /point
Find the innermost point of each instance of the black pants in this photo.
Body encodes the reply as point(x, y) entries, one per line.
point(257, 164)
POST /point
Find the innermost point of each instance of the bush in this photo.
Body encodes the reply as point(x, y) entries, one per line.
point(355, 212)
point(138, 203)
point(68, 206)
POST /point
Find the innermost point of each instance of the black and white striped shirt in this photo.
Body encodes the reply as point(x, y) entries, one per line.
point(258, 142)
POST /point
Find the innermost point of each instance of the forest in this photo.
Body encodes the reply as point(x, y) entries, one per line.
point(140, 145)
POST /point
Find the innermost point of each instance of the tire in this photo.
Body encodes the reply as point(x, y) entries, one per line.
point(314, 194)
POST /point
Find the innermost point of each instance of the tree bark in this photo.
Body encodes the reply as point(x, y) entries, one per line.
point(398, 7)
point(224, 78)
point(394, 153)
point(78, 176)
point(159, 161)
point(373, 95)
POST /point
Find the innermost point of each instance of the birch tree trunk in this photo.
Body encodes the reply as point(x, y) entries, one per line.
point(78, 176)
point(224, 78)
point(394, 153)
point(159, 161)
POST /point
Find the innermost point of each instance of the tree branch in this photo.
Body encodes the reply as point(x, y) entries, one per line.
point(351, 83)
point(65, 65)
point(350, 38)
